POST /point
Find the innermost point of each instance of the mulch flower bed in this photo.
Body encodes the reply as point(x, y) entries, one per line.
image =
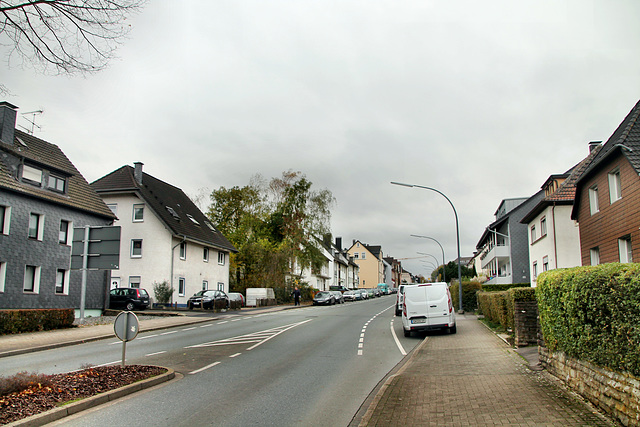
point(52, 391)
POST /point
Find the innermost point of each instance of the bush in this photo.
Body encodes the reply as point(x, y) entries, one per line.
point(593, 314)
point(469, 299)
point(163, 292)
point(505, 287)
point(23, 381)
point(493, 305)
point(17, 321)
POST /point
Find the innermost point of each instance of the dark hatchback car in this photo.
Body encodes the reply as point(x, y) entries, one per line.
point(128, 298)
point(208, 299)
point(324, 298)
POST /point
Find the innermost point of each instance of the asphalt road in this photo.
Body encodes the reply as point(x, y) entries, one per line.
point(309, 366)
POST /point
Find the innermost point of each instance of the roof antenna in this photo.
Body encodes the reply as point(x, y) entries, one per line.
point(32, 121)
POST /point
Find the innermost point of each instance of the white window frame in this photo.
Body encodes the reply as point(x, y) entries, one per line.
point(3, 275)
point(135, 281)
point(205, 254)
point(113, 207)
point(534, 269)
point(355, 255)
point(69, 233)
point(221, 258)
point(32, 175)
point(534, 237)
point(54, 181)
point(363, 255)
point(40, 226)
point(133, 242)
point(138, 207)
point(624, 249)
point(205, 285)
point(594, 253)
point(6, 220)
point(65, 281)
point(543, 226)
point(35, 284)
point(593, 200)
point(615, 186)
point(545, 263)
point(183, 250)
point(182, 286)
point(221, 286)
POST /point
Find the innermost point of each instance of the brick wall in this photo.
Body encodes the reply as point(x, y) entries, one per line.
point(616, 394)
point(613, 221)
point(525, 323)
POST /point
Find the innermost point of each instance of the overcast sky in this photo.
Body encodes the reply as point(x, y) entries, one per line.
point(481, 100)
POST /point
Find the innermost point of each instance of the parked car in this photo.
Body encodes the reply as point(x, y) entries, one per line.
point(237, 296)
point(400, 299)
point(128, 298)
point(363, 293)
point(324, 298)
point(352, 296)
point(426, 307)
point(208, 299)
point(339, 297)
point(338, 288)
point(371, 293)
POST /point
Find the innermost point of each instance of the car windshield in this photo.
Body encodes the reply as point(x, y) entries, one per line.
point(323, 294)
point(199, 294)
point(349, 293)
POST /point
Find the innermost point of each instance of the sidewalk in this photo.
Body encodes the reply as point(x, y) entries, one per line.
point(473, 378)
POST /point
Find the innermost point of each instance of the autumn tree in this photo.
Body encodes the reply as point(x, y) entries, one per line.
point(67, 35)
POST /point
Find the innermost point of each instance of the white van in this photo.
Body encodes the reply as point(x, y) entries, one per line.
point(427, 306)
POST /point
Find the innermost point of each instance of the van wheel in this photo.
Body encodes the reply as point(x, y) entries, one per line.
point(453, 329)
point(406, 333)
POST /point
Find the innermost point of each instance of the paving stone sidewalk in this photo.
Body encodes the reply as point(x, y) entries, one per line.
point(472, 378)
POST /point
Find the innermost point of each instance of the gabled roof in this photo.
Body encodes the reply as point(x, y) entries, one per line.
point(375, 250)
point(566, 192)
point(625, 140)
point(174, 208)
point(37, 152)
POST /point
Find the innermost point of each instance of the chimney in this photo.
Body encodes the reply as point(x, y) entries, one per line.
point(339, 243)
point(137, 172)
point(593, 145)
point(8, 115)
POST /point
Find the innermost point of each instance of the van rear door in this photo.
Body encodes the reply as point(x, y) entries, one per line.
point(438, 304)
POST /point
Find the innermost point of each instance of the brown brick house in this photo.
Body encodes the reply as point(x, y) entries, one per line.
point(607, 204)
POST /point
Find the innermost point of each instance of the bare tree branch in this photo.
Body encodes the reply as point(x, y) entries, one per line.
point(66, 36)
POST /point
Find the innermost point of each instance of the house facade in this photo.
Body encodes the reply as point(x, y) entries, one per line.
point(369, 261)
point(554, 238)
point(607, 204)
point(503, 247)
point(42, 198)
point(164, 238)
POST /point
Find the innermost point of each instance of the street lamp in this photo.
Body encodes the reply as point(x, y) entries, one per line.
point(444, 278)
point(435, 259)
point(457, 230)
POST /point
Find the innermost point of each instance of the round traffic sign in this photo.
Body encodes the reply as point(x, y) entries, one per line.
point(126, 326)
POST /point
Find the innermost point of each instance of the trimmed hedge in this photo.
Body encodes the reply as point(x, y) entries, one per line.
point(469, 300)
point(17, 321)
point(505, 287)
point(593, 314)
point(498, 307)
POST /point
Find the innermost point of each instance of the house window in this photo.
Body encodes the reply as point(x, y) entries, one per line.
point(533, 233)
point(56, 183)
point(535, 269)
point(136, 248)
point(624, 249)
point(183, 250)
point(32, 175)
point(114, 208)
point(543, 226)
point(31, 279)
point(3, 275)
point(5, 214)
point(205, 285)
point(36, 226)
point(593, 200)
point(134, 281)
point(138, 213)
point(181, 286)
point(545, 263)
point(221, 286)
point(221, 258)
point(615, 187)
point(595, 255)
point(64, 234)
point(355, 255)
point(363, 253)
point(62, 282)
point(205, 254)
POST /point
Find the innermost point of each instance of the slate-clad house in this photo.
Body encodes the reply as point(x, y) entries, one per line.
point(42, 198)
point(165, 237)
point(607, 204)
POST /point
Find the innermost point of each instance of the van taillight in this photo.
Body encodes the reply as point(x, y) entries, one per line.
point(404, 308)
point(450, 305)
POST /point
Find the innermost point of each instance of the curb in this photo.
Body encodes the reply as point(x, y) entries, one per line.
point(99, 399)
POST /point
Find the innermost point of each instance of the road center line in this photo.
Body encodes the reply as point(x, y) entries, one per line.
point(205, 367)
point(156, 353)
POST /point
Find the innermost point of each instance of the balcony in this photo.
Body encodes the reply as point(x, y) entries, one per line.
point(499, 280)
point(496, 252)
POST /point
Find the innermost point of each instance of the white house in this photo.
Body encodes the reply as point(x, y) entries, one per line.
point(165, 237)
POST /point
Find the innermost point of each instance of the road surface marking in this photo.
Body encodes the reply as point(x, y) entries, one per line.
point(156, 353)
point(235, 355)
point(189, 329)
point(168, 333)
point(395, 337)
point(205, 367)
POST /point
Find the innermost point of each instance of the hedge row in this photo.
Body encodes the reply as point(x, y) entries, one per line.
point(505, 287)
point(593, 314)
point(498, 307)
point(469, 289)
point(16, 321)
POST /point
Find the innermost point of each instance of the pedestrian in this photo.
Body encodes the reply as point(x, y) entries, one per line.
point(296, 296)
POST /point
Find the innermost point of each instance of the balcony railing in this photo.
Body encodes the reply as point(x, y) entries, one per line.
point(496, 252)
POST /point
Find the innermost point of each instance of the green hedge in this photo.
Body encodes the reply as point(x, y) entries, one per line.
point(469, 289)
point(499, 288)
point(498, 307)
point(16, 321)
point(593, 313)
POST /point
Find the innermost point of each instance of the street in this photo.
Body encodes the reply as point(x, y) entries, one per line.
point(310, 366)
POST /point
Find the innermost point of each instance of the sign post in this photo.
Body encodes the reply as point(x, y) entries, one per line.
point(126, 327)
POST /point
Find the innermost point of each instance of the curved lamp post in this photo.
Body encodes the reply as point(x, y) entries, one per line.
point(444, 278)
point(435, 259)
point(457, 231)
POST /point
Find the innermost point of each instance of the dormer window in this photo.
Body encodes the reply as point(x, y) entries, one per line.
point(57, 183)
point(32, 175)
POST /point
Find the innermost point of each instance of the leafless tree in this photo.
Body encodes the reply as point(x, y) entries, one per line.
point(68, 36)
